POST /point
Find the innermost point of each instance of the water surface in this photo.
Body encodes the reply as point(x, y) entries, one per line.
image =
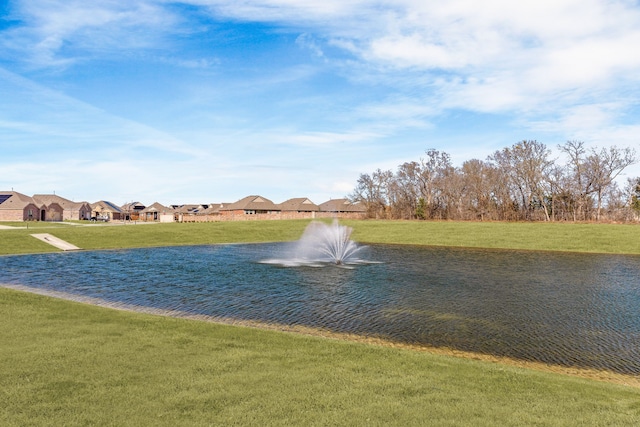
point(578, 310)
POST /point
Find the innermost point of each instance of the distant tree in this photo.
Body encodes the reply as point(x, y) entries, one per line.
point(527, 166)
point(431, 171)
point(634, 191)
point(421, 209)
point(518, 182)
point(577, 186)
point(603, 166)
point(451, 194)
point(372, 191)
point(479, 195)
point(406, 190)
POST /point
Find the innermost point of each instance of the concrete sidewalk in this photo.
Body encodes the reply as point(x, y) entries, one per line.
point(54, 241)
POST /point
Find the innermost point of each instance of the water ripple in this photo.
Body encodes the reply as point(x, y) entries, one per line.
point(576, 310)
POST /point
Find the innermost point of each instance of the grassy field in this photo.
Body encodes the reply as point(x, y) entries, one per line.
point(599, 238)
point(65, 363)
point(19, 240)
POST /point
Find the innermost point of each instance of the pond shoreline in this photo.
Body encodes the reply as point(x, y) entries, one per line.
point(592, 374)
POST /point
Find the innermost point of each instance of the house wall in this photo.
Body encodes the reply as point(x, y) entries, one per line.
point(84, 212)
point(75, 214)
point(20, 214)
point(241, 216)
point(53, 212)
point(166, 217)
point(12, 215)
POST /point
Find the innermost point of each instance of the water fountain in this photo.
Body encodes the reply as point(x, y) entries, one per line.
point(322, 244)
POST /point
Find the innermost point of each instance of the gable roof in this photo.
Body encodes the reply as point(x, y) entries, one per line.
point(299, 204)
point(214, 208)
point(157, 207)
point(251, 203)
point(14, 200)
point(190, 208)
point(342, 205)
point(133, 206)
point(66, 204)
point(108, 206)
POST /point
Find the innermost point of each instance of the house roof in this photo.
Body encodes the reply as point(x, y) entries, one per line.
point(187, 208)
point(251, 203)
point(14, 200)
point(341, 205)
point(108, 206)
point(157, 207)
point(213, 208)
point(133, 206)
point(299, 204)
point(66, 204)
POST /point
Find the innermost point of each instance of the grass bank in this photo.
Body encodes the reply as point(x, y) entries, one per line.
point(19, 240)
point(568, 237)
point(65, 363)
point(596, 238)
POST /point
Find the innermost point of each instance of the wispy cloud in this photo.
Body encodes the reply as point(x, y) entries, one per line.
point(58, 33)
point(45, 117)
point(337, 86)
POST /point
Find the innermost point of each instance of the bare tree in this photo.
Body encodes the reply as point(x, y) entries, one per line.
point(527, 165)
point(432, 169)
point(633, 189)
point(603, 167)
point(578, 186)
point(406, 189)
point(478, 185)
point(515, 183)
point(372, 191)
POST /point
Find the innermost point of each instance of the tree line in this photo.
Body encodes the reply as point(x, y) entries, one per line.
point(521, 182)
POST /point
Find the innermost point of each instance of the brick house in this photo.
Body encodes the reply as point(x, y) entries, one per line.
point(15, 206)
point(65, 210)
point(343, 208)
point(250, 205)
point(131, 211)
point(299, 205)
point(106, 210)
point(157, 212)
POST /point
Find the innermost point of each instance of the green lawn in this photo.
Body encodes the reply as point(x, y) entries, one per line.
point(19, 240)
point(602, 238)
point(571, 237)
point(65, 363)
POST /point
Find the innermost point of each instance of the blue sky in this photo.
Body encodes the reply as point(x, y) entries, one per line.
point(204, 101)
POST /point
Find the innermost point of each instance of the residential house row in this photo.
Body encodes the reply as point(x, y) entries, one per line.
point(15, 206)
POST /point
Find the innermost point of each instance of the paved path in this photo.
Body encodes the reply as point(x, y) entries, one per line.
point(54, 241)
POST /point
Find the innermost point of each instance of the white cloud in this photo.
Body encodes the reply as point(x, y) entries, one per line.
point(567, 67)
point(57, 33)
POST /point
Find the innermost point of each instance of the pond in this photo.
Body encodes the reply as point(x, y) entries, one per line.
point(577, 310)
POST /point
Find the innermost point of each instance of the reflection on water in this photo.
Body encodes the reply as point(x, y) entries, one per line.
point(568, 309)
